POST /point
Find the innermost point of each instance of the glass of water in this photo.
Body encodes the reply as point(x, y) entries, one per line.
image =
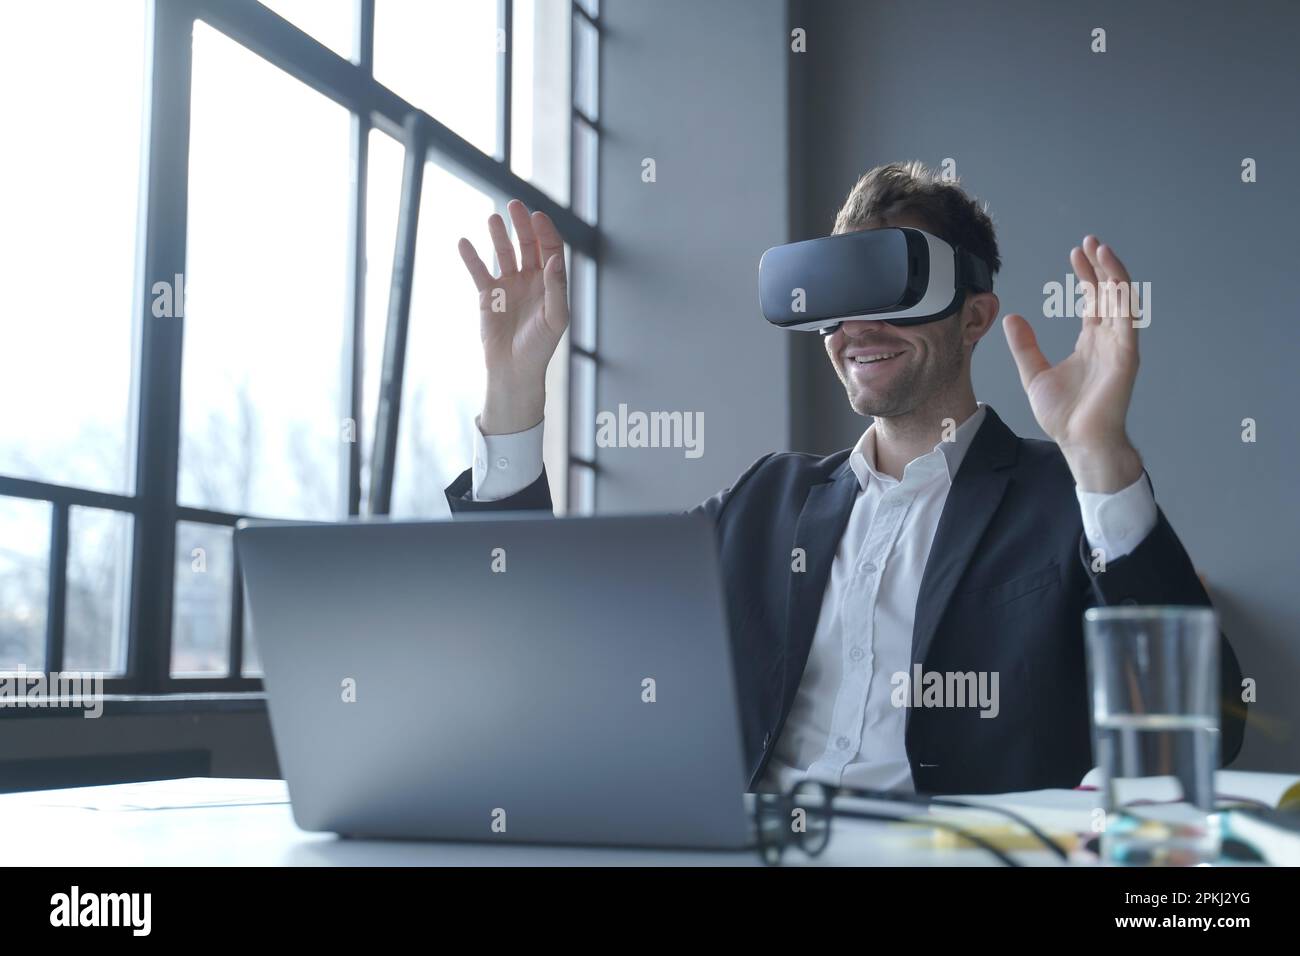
point(1154, 677)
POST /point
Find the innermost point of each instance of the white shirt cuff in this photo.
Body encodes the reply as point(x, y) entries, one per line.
point(505, 465)
point(1118, 522)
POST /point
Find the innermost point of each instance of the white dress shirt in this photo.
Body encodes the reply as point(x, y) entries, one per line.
point(505, 465)
point(843, 728)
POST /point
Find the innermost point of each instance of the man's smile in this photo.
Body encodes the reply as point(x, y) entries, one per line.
point(864, 363)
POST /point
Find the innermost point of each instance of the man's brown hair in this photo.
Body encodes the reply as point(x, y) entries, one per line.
point(895, 189)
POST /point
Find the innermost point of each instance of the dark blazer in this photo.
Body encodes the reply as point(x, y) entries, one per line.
point(1008, 579)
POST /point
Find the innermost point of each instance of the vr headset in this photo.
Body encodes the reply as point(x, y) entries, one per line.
point(902, 276)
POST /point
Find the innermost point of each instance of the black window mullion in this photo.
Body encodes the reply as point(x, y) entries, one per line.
point(33, 490)
point(577, 466)
point(166, 197)
point(505, 73)
point(355, 336)
point(574, 10)
point(355, 333)
point(236, 659)
point(194, 685)
point(399, 314)
point(578, 463)
point(364, 34)
point(57, 594)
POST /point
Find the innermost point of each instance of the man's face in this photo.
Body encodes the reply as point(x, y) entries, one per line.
point(890, 370)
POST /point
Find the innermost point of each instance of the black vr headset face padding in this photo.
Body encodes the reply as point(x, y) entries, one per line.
point(899, 275)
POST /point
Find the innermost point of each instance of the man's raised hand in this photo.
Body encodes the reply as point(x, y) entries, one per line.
point(1082, 401)
point(523, 312)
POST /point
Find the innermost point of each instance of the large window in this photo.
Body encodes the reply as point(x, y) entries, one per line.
point(69, 205)
point(222, 219)
point(266, 307)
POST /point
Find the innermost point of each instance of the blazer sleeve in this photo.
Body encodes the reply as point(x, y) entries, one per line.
point(1159, 571)
point(715, 505)
point(460, 496)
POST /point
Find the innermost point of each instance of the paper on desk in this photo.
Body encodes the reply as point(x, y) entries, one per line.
point(1054, 811)
point(1073, 811)
point(165, 794)
point(1269, 789)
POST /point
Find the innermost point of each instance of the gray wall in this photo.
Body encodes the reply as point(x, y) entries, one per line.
point(700, 88)
point(1141, 145)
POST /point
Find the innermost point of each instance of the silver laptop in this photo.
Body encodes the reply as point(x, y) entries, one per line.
point(501, 678)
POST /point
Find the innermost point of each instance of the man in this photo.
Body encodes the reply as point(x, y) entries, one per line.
point(941, 543)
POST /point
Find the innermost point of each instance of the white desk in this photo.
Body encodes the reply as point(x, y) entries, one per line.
point(215, 822)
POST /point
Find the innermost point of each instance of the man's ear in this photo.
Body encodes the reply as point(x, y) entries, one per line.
point(978, 316)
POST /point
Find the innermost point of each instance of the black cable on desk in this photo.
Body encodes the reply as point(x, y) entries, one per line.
point(918, 800)
point(772, 811)
point(771, 852)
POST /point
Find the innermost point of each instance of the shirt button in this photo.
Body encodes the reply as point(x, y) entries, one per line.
point(856, 654)
point(869, 568)
point(503, 462)
point(478, 462)
point(842, 743)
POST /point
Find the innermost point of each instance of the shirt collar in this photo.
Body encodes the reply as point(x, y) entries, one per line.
point(944, 459)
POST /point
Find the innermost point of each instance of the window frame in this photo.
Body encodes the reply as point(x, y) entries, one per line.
point(161, 241)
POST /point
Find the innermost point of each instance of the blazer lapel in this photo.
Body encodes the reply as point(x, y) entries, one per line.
point(975, 495)
point(821, 524)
